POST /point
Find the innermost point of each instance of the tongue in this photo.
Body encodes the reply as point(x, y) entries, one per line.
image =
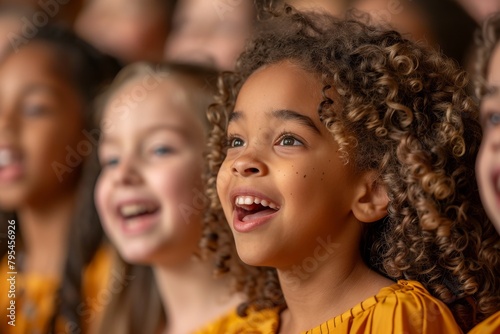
point(258, 214)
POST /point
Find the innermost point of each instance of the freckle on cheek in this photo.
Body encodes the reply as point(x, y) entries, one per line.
point(305, 176)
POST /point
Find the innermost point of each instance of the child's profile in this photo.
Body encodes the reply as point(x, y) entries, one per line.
point(332, 132)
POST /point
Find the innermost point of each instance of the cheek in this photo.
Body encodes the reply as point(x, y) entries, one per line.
point(102, 194)
point(223, 178)
point(177, 185)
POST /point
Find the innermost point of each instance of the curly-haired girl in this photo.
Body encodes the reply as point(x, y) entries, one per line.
point(343, 157)
point(488, 75)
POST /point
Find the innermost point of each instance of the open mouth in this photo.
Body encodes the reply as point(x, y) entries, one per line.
point(138, 217)
point(251, 207)
point(137, 210)
point(10, 164)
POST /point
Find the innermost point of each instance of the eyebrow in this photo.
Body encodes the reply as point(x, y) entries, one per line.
point(491, 91)
point(39, 87)
point(106, 139)
point(282, 114)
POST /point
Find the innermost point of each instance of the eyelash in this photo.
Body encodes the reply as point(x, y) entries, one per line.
point(286, 134)
point(488, 120)
point(231, 138)
point(109, 162)
point(166, 150)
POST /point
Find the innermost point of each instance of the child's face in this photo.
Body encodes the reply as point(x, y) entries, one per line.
point(209, 32)
point(149, 192)
point(488, 162)
point(282, 156)
point(130, 30)
point(40, 123)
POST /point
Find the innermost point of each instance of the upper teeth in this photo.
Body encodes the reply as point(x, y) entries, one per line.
point(6, 157)
point(248, 200)
point(134, 209)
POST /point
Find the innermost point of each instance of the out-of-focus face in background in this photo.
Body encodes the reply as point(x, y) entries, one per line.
point(130, 30)
point(40, 118)
point(333, 7)
point(10, 26)
point(59, 11)
point(403, 16)
point(152, 157)
point(210, 32)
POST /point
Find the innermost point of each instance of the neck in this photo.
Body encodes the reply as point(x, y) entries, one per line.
point(45, 230)
point(192, 297)
point(337, 284)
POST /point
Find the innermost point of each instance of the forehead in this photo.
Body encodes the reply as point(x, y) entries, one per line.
point(283, 85)
point(493, 77)
point(36, 64)
point(203, 10)
point(35, 59)
point(136, 105)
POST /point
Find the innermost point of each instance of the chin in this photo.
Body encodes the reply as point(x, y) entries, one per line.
point(12, 202)
point(253, 256)
point(137, 256)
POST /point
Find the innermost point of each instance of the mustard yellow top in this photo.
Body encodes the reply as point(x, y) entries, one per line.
point(489, 326)
point(32, 299)
point(404, 307)
point(264, 321)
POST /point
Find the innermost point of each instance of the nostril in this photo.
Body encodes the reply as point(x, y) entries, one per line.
point(253, 170)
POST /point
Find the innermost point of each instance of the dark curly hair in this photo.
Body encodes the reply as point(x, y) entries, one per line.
point(404, 112)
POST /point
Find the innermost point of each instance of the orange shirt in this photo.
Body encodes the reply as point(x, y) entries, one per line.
point(264, 321)
point(32, 299)
point(404, 307)
point(488, 326)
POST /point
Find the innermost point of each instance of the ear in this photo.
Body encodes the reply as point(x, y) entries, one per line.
point(371, 199)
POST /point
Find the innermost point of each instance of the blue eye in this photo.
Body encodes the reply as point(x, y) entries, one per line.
point(235, 142)
point(110, 162)
point(288, 140)
point(162, 150)
point(493, 118)
point(34, 110)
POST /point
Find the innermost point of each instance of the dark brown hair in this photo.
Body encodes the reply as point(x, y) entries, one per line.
point(404, 112)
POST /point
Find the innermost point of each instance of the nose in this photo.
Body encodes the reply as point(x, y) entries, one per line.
point(9, 121)
point(126, 173)
point(249, 165)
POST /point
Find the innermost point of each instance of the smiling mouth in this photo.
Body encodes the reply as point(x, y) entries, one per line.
point(131, 211)
point(251, 207)
point(138, 218)
point(10, 165)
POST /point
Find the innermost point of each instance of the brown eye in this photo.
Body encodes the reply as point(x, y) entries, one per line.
point(235, 142)
point(289, 141)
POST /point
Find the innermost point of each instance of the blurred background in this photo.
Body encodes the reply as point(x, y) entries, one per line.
point(214, 31)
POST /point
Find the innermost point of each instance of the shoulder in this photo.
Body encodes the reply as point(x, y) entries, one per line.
point(414, 309)
point(256, 322)
point(490, 325)
point(404, 307)
point(100, 270)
